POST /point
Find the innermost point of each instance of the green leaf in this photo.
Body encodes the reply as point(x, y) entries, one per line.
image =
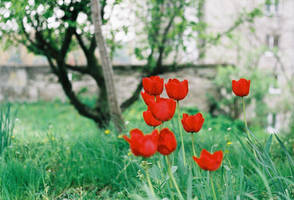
point(138, 53)
point(189, 185)
point(268, 144)
point(290, 160)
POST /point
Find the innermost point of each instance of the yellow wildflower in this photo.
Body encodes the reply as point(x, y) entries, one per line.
point(120, 136)
point(229, 143)
point(107, 131)
point(12, 137)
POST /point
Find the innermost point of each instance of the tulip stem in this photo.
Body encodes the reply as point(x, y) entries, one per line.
point(181, 132)
point(193, 147)
point(173, 178)
point(212, 186)
point(160, 126)
point(149, 182)
point(245, 121)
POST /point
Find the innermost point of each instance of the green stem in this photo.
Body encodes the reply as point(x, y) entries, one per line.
point(173, 178)
point(149, 182)
point(160, 126)
point(193, 146)
point(212, 186)
point(126, 166)
point(181, 132)
point(245, 121)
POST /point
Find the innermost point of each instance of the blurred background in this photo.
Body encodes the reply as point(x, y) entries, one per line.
point(48, 54)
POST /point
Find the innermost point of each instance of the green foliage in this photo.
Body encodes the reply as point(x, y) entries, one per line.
point(228, 104)
point(6, 126)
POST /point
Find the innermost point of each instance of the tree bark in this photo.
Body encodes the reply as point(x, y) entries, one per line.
point(114, 108)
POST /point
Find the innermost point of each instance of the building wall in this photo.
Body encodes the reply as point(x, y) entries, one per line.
point(221, 15)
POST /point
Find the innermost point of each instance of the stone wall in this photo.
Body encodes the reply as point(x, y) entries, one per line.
point(29, 84)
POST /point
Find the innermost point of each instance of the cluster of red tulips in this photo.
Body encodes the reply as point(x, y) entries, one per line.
point(161, 109)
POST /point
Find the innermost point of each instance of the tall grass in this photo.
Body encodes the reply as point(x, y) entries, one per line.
point(248, 172)
point(7, 120)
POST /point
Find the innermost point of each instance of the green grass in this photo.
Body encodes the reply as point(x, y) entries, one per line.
point(57, 154)
point(6, 127)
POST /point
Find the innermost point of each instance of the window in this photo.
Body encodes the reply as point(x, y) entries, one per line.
point(272, 41)
point(272, 7)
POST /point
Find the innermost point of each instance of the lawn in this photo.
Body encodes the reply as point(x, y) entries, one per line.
point(57, 154)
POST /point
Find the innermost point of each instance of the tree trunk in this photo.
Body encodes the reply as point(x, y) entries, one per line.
point(114, 108)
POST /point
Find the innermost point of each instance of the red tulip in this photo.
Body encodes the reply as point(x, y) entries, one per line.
point(176, 90)
point(163, 109)
point(142, 145)
point(167, 142)
point(149, 119)
point(210, 162)
point(192, 123)
point(153, 85)
point(147, 98)
point(241, 87)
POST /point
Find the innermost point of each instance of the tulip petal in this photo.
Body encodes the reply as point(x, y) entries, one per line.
point(167, 142)
point(176, 90)
point(208, 161)
point(143, 145)
point(241, 88)
point(127, 138)
point(192, 123)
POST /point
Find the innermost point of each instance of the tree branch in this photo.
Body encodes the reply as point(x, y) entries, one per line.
point(43, 44)
point(164, 39)
point(66, 41)
point(81, 43)
point(52, 66)
point(80, 69)
point(93, 45)
point(249, 17)
point(83, 109)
